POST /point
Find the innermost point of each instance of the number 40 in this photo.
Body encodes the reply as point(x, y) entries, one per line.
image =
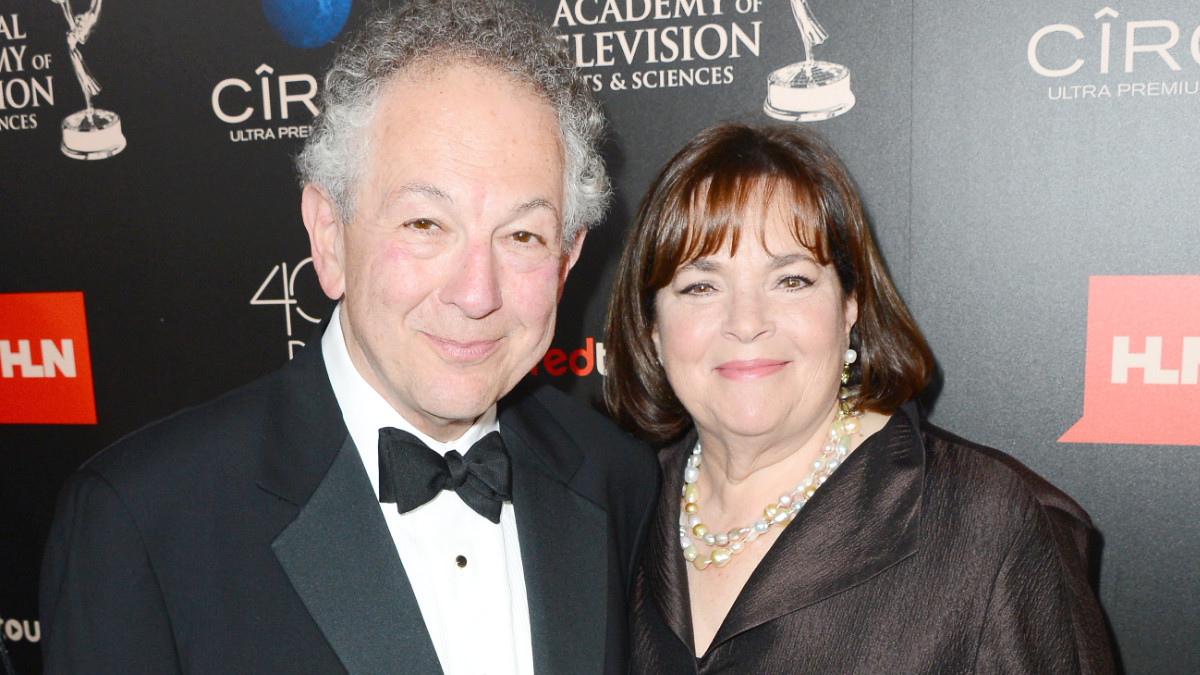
point(288, 299)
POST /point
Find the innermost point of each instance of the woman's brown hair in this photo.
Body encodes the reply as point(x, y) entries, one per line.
point(694, 208)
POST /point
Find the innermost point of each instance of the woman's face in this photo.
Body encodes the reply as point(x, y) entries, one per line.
point(753, 343)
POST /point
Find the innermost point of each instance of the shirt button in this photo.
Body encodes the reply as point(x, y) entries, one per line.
point(461, 561)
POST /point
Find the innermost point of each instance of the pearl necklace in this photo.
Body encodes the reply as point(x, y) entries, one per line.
point(723, 545)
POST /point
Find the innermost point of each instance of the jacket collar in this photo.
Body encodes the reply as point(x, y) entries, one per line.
point(865, 519)
point(363, 604)
point(526, 421)
point(311, 462)
point(303, 428)
point(563, 537)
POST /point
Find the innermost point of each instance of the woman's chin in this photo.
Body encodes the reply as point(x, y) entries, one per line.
point(750, 424)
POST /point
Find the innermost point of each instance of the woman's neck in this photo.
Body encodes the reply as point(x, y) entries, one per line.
point(739, 475)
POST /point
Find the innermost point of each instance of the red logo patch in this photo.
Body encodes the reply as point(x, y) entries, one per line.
point(45, 370)
point(1143, 362)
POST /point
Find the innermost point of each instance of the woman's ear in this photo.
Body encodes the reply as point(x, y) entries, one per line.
point(850, 312)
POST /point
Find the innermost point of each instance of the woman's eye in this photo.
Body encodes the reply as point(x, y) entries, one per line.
point(794, 282)
point(698, 288)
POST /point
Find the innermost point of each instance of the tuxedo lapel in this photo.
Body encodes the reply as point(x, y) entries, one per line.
point(564, 538)
point(338, 552)
point(340, 558)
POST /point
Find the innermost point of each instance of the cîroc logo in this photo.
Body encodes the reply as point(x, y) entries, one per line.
point(45, 371)
point(306, 24)
point(1116, 56)
point(1142, 372)
point(810, 90)
point(286, 98)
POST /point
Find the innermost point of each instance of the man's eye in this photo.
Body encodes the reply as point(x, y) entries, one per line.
point(525, 237)
point(422, 224)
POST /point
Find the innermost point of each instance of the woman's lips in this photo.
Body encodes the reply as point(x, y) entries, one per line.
point(751, 369)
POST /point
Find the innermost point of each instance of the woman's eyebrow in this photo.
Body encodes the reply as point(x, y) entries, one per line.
point(778, 261)
point(702, 265)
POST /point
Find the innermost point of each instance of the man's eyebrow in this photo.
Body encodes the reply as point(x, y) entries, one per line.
point(535, 203)
point(428, 190)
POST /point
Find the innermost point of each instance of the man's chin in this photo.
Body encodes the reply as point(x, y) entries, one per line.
point(455, 398)
point(456, 408)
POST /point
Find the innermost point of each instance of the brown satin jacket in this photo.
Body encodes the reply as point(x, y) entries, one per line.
point(923, 553)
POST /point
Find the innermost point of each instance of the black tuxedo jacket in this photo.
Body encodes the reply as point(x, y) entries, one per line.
point(244, 536)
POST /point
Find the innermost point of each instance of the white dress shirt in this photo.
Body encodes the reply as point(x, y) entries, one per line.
point(464, 569)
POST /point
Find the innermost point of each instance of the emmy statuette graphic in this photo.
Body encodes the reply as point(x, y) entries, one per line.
point(91, 133)
point(810, 90)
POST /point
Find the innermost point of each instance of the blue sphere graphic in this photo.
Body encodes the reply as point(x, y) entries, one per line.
point(306, 24)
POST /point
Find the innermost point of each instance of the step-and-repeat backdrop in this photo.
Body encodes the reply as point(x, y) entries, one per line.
point(1029, 169)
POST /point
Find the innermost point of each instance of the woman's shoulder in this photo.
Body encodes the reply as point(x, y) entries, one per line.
point(963, 463)
point(986, 504)
point(995, 495)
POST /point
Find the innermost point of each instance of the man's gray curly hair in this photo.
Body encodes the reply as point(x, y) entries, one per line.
point(494, 33)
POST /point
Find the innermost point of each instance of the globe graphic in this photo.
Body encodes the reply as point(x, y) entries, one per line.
point(306, 24)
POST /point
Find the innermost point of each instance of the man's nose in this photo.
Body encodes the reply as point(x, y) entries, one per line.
point(473, 283)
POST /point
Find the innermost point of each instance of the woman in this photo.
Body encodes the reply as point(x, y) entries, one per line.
point(810, 521)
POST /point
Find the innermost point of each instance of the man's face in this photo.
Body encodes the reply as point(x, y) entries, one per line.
point(453, 264)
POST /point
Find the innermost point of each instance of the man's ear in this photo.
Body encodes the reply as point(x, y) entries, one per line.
point(571, 258)
point(575, 250)
point(325, 238)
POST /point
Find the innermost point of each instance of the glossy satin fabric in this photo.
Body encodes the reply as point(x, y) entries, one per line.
point(922, 554)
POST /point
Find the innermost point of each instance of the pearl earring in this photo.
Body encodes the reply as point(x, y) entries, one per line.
point(849, 357)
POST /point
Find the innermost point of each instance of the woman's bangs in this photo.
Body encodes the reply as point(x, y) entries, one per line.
point(721, 209)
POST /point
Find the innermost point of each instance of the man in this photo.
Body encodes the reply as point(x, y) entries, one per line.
point(448, 185)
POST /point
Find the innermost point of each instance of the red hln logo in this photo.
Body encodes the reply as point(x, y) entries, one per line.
point(1143, 362)
point(45, 370)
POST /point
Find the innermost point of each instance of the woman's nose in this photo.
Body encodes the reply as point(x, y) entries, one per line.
point(749, 317)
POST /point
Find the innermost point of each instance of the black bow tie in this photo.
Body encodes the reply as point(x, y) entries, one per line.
point(411, 474)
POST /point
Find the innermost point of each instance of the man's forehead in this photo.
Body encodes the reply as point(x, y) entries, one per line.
point(458, 92)
point(457, 132)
